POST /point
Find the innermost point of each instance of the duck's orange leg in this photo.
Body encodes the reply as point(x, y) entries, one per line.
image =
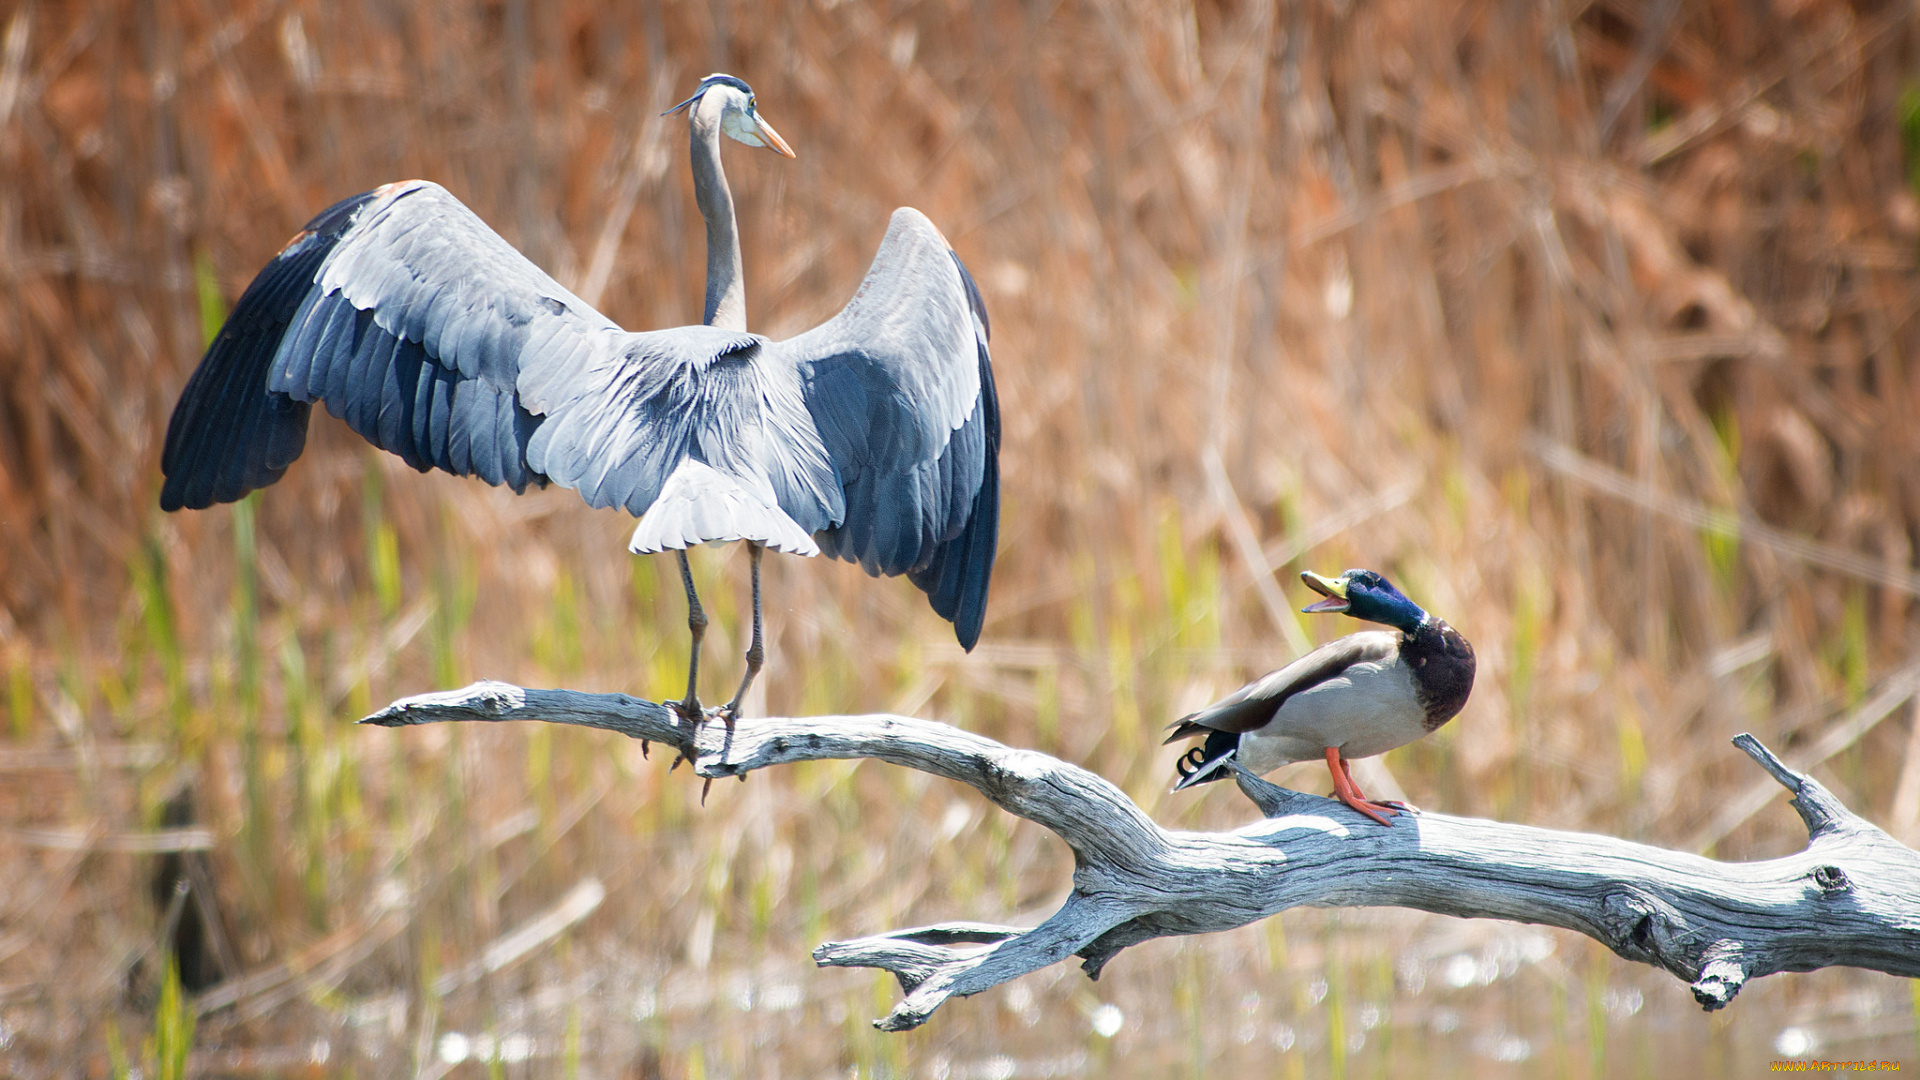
point(1343, 787)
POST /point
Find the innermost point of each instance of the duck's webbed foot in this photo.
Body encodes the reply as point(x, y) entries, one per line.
point(1372, 809)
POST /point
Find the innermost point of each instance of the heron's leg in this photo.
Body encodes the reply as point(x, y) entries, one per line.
point(689, 706)
point(756, 655)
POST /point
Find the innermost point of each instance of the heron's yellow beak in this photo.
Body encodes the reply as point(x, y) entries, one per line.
point(771, 137)
point(1334, 589)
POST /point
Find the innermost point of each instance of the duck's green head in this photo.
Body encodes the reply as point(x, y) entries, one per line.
point(1364, 594)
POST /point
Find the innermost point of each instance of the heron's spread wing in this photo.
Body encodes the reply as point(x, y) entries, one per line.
point(428, 334)
point(411, 319)
point(900, 387)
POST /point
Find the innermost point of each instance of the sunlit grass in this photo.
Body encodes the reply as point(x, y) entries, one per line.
point(173, 1024)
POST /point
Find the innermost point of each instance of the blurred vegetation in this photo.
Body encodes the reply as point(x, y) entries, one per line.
point(1588, 323)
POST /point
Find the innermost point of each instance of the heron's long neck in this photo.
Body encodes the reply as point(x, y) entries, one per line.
point(726, 291)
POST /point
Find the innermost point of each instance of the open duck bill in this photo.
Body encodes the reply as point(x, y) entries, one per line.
point(1334, 589)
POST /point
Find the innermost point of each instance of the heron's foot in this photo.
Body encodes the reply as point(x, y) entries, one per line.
point(684, 753)
point(726, 714)
point(1397, 805)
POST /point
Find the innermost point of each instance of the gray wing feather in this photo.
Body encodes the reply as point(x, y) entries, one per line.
point(899, 386)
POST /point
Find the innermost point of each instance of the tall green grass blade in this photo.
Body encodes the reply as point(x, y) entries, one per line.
point(173, 1025)
point(383, 544)
point(570, 1048)
point(150, 581)
point(557, 638)
point(1854, 661)
point(1913, 991)
point(308, 769)
point(213, 303)
point(540, 783)
point(1122, 669)
point(118, 1067)
point(1046, 710)
point(19, 695)
point(1531, 604)
point(455, 588)
point(246, 604)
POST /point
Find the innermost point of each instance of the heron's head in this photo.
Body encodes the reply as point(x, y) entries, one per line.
point(1364, 594)
point(739, 119)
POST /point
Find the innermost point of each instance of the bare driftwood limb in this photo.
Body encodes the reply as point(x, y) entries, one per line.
point(1851, 898)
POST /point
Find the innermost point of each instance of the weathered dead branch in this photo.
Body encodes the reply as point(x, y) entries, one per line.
point(1851, 898)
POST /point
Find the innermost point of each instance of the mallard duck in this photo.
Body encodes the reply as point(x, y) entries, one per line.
point(1361, 695)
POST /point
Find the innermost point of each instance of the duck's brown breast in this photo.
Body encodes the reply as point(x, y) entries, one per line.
point(1442, 664)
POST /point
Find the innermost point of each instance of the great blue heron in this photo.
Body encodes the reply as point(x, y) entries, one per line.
point(873, 437)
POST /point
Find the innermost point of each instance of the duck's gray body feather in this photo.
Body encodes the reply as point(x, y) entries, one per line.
point(1360, 695)
point(1353, 694)
point(1369, 708)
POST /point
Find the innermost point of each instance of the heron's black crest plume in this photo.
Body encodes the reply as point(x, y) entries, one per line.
point(708, 83)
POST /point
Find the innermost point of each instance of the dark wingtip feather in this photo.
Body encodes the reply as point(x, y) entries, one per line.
point(229, 434)
point(980, 544)
point(957, 578)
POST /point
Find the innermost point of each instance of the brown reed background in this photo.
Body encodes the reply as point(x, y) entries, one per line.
point(1588, 323)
